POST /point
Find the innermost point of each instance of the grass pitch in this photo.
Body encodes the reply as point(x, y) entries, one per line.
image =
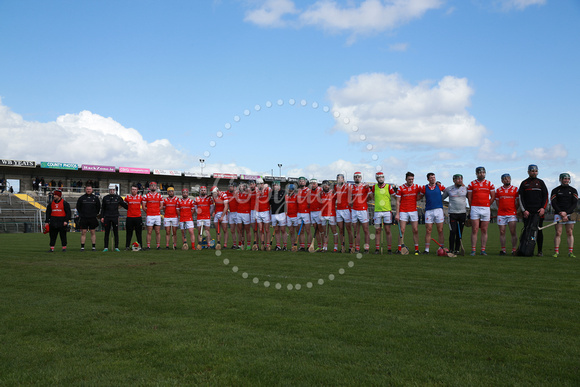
point(282, 318)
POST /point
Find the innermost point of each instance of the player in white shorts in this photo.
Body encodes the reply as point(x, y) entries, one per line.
point(153, 220)
point(482, 214)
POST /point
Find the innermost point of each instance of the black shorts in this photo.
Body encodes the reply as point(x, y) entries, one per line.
point(89, 223)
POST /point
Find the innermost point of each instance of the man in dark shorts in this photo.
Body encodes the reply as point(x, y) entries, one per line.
point(88, 207)
point(534, 199)
point(110, 215)
point(564, 201)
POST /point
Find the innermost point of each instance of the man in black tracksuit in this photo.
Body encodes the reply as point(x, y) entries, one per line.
point(110, 215)
point(534, 199)
point(88, 207)
point(277, 207)
point(57, 216)
point(564, 200)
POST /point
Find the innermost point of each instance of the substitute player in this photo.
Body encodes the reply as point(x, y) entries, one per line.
point(203, 205)
point(507, 200)
point(185, 208)
point(170, 220)
point(480, 195)
point(564, 201)
point(407, 196)
point(343, 215)
point(220, 214)
point(328, 215)
point(152, 205)
point(134, 219)
point(359, 213)
point(383, 217)
point(433, 209)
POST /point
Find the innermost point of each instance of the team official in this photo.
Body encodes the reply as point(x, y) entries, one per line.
point(88, 207)
point(58, 214)
point(110, 215)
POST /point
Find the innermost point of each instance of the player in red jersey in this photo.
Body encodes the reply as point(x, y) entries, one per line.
point(203, 205)
point(134, 220)
point(303, 211)
point(263, 217)
point(480, 195)
point(382, 193)
point(170, 220)
point(315, 207)
point(152, 205)
point(328, 215)
point(291, 210)
point(360, 215)
point(407, 196)
point(508, 200)
point(220, 214)
point(243, 198)
point(185, 207)
point(253, 206)
point(343, 215)
point(232, 216)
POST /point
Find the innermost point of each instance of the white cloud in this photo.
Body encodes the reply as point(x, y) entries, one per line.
point(508, 5)
point(84, 138)
point(557, 151)
point(271, 13)
point(489, 151)
point(398, 47)
point(370, 16)
point(390, 112)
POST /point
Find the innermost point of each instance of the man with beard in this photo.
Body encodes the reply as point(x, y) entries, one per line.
point(564, 201)
point(170, 220)
point(134, 220)
point(185, 207)
point(88, 207)
point(534, 199)
point(480, 194)
point(110, 215)
point(277, 207)
point(152, 205)
point(457, 194)
point(383, 217)
point(359, 213)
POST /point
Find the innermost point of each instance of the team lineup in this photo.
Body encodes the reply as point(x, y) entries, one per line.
point(255, 216)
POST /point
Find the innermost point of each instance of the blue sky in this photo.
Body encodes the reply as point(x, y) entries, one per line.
point(432, 85)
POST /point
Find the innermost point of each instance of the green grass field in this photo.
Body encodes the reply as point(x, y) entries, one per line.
point(282, 318)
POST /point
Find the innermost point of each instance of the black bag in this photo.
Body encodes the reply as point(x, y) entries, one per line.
point(528, 237)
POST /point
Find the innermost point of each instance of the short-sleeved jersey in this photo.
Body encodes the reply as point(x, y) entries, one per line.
point(506, 200)
point(232, 202)
point(342, 195)
point(253, 200)
point(480, 191)
point(170, 207)
point(185, 207)
point(153, 201)
point(220, 201)
point(408, 195)
point(328, 201)
point(244, 202)
point(359, 196)
point(433, 198)
point(314, 199)
point(292, 205)
point(203, 207)
point(263, 199)
point(303, 200)
point(134, 205)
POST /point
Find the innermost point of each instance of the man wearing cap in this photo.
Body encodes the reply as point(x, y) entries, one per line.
point(564, 201)
point(58, 214)
point(433, 209)
point(110, 215)
point(152, 205)
point(507, 204)
point(170, 220)
point(315, 206)
point(232, 215)
point(185, 207)
point(407, 196)
point(457, 211)
point(382, 197)
point(303, 211)
point(480, 195)
point(277, 208)
point(291, 210)
point(220, 214)
point(343, 215)
point(534, 199)
point(359, 213)
point(88, 207)
point(134, 221)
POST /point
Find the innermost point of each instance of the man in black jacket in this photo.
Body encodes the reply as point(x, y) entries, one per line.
point(534, 198)
point(57, 216)
point(110, 215)
point(88, 207)
point(564, 201)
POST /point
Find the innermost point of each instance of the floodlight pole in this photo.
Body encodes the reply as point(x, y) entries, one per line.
point(201, 162)
point(280, 167)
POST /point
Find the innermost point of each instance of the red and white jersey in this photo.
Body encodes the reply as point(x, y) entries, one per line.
point(185, 207)
point(292, 205)
point(153, 201)
point(408, 195)
point(170, 207)
point(220, 201)
point(232, 202)
point(328, 201)
point(506, 200)
point(342, 195)
point(134, 205)
point(303, 200)
point(359, 195)
point(480, 192)
point(203, 207)
point(263, 199)
point(244, 203)
point(253, 200)
point(314, 199)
